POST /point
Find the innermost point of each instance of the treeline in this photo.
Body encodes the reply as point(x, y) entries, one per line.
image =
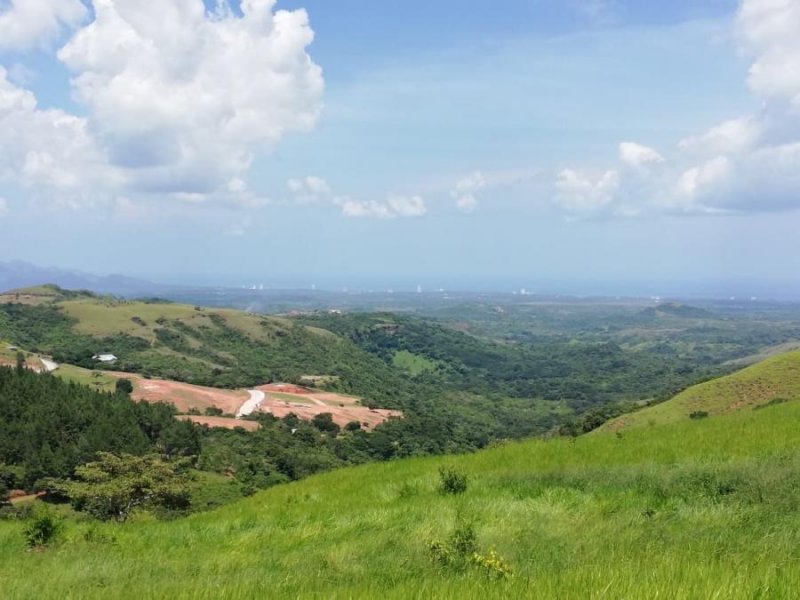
point(48, 427)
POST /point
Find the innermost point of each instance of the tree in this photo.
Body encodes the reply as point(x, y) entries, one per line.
point(113, 486)
point(123, 386)
point(324, 422)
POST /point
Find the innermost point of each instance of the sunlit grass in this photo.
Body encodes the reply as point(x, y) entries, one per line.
point(698, 509)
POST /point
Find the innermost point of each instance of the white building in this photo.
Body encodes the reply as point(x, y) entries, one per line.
point(106, 358)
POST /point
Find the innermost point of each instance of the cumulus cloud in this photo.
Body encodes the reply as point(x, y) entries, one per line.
point(181, 98)
point(580, 193)
point(178, 100)
point(730, 137)
point(392, 208)
point(769, 30)
point(47, 148)
point(309, 189)
point(314, 189)
point(29, 23)
point(464, 192)
point(637, 155)
point(749, 163)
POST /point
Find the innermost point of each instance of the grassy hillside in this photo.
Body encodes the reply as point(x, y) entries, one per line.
point(773, 380)
point(693, 509)
point(219, 347)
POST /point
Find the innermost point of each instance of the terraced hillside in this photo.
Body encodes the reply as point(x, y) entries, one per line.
point(691, 509)
point(774, 380)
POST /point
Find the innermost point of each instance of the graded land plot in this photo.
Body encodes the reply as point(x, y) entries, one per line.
point(283, 399)
point(185, 396)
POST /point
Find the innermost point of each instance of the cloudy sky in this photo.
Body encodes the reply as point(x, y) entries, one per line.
point(562, 145)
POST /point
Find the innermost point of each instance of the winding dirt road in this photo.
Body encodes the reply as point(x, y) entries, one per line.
point(256, 398)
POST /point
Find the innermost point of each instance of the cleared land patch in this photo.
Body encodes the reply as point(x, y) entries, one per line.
point(224, 422)
point(284, 399)
point(185, 396)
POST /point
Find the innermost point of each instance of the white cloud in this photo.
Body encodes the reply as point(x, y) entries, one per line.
point(693, 182)
point(3, 206)
point(393, 207)
point(730, 137)
point(464, 192)
point(178, 100)
point(751, 163)
point(769, 30)
point(47, 148)
point(314, 189)
point(309, 189)
point(26, 24)
point(636, 155)
point(183, 99)
point(580, 193)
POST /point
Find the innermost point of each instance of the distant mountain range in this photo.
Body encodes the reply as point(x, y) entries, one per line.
point(18, 274)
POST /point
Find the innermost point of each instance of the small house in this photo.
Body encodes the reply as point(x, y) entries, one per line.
point(105, 358)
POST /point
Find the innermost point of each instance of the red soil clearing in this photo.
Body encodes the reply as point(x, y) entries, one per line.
point(221, 422)
point(186, 396)
point(285, 388)
point(369, 418)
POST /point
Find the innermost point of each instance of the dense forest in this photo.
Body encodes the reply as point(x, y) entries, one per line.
point(49, 427)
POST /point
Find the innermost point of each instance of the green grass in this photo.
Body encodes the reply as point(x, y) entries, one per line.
point(291, 398)
point(99, 380)
point(775, 377)
point(415, 364)
point(694, 509)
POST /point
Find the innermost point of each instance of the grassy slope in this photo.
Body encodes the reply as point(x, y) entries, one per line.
point(696, 509)
point(775, 377)
point(104, 317)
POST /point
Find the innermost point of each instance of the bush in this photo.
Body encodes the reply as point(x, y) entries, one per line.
point(452, 481)
point(43, 530)
point(455, 552)
point(460, 552)
point(123, 386)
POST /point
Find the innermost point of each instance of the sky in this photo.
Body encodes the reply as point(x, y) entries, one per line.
point(577, 146)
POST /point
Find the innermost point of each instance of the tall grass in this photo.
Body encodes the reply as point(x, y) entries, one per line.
point(698, 509)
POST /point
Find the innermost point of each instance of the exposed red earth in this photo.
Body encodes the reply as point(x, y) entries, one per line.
point(284, 398)
point(185, 396)
point(225, 422)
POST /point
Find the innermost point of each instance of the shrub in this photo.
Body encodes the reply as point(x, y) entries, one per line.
point(460, 552)
point(455, 552)
point(43, 529)
point(452, 481)
point(123, 386)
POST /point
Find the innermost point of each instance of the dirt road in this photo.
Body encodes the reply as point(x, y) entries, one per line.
point(256, 398)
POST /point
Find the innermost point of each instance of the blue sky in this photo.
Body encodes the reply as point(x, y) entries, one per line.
point(588, 146)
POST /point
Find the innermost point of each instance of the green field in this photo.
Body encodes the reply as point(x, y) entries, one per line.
point(774, 379)
point(693, 509)
point(414, 364)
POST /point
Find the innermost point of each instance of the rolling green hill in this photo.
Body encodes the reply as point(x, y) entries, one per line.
point(775, 379)
point(691, 509)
